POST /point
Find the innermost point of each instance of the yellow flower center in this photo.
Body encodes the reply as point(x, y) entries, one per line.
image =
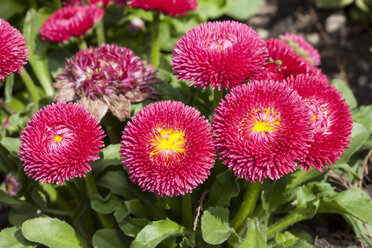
point(314, 117)
point(265, 123)
point(57, 138)
point(167, 144)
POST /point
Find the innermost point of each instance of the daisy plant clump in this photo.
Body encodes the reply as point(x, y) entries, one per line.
point(230, 141)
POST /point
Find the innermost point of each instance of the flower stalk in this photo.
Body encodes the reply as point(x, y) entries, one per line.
point(248, 205)
point(155, 53)
point(30, 85)
point(100, 32)
point(187, 217)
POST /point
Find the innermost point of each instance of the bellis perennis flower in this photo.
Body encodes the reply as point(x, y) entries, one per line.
point(107, 77)
point(262, 129)
point(220, 54)
point(70, 21)
point(331, 117)
point(13, 50)
point(169, 7)
point(168, 148)
point(302, 47)
point(59, 141)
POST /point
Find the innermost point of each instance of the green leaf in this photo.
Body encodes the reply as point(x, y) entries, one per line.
point(130, 226)
point(12, 201)
point(359, 135)
point(11, 144)
point(51, 232)
point(332, 4)
point(155, 232)
point(362, 230)
point(12, 237)
point(288, 240)
point(11, 7)
point(242, 9)
point(105, 205)
point(255, 237)
point(355, 202)
point(273, 194)
point(19, 214)
point(363, 115)
point(301, 176)
point(362, 5)
point(215, 225)
point(223, 189)
point(211, 9)
point(346, 92)
point(109, 238)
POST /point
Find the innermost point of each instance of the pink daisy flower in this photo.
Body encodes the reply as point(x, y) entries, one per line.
point(283, 62)
point(11, 185)
point(70, 21)
point(13, 50)
point(169, 7)
point(107, 77)
point(168, 148)
point(59, 141)
point(331, 118)
point(302, 47)
point(261, 130)
point(220, 54)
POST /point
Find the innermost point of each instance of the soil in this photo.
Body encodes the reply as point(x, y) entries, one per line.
point(343, 44)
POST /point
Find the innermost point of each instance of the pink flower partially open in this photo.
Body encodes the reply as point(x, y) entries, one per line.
point(168, 148)
point(169, 7)
point(220, 54)
point(302, 47)
point(59, 141)
point(70, 21)
point(331, 117)
point(13, 50)
point(107, 77)
point(262, 129)
point(284, 62)
point(11, 185)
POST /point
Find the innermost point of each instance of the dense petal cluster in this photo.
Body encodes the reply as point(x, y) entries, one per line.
point(13, 50)
point(302, 47)
point(70, 21)
point(168, 148)
point(220, 54)
point(107, 77)
point(284, 62)
point(169, 7)
point(331, 117)
point(262, 129)
point(59, 141)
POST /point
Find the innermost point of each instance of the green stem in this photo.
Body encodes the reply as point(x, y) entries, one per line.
point(247, 207)
point(155, 53)
point(55, 211)
point(30, 85)
point(100, 32)
point(57, 4)
point(82, 44)
point(112, 129)
point(217, 95)
point(290, 219)
point(92, 189)
point(187, 216)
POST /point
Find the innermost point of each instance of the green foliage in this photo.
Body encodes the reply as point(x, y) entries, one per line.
point(215, 225)
point(255, 236)
point(109, 238)
point(12, 237)
point(51, 232)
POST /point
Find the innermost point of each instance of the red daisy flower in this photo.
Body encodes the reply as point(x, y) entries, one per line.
point(169, 7)
point(262, 128)
point(59, 141)
point(302, 47)
point(70, 21)
point(331, 118)
point(220, 54)
point(283, 62)
point(13, 50)
point(168, 148)
point(107, 77)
